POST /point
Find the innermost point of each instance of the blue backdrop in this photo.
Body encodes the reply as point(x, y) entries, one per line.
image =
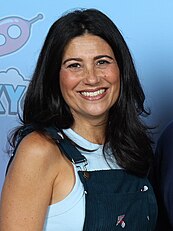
point(146, 25)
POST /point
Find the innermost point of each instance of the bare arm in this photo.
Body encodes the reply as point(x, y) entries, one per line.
point(28, 186)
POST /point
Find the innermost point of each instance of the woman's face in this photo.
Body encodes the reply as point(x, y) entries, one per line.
point(89, 77)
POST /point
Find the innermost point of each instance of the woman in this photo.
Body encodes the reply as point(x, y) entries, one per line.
point(82, 155)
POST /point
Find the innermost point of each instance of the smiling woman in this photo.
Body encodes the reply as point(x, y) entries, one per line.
point(82, 155)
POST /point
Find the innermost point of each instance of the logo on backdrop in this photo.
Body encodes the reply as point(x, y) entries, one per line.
point(14, 33)
point(12, 91)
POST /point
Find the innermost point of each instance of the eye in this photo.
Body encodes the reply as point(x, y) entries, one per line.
point(102, 62)
point(74, 66)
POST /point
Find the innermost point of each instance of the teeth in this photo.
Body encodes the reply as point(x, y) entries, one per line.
point(95, 93)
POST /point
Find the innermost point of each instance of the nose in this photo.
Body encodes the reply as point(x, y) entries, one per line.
point(92, 76)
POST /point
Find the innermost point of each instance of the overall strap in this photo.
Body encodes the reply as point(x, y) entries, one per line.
point(64, 144)
point(72, 153)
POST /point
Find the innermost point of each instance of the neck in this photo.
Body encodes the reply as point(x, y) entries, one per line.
point(91, 131)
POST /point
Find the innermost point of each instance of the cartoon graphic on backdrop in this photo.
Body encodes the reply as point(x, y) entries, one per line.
point(12, 90)
point(14, 33)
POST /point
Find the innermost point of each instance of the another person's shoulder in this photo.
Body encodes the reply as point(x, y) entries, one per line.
point(168, 130)
point(164, 149)
point(166, 137)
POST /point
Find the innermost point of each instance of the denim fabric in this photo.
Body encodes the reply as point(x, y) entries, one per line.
point(117, 200)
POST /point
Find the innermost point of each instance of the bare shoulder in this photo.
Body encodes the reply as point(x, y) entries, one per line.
point(29, 183)
point(36, 153)
point(38, 144)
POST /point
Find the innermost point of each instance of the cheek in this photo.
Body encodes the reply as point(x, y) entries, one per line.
point(114, 77)
point(114, 80)
point(67, 82)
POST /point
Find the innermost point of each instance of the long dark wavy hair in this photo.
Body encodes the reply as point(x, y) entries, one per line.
point(44, 105)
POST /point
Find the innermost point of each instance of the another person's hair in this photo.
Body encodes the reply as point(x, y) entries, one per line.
point(44, 105)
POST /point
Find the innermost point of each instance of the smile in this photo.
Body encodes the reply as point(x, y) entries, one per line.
point(92, 94)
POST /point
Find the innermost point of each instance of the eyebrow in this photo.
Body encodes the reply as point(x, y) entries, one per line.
point(102, 56)
point(79, 59)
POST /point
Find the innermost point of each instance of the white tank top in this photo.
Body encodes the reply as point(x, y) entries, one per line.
point(69, 214)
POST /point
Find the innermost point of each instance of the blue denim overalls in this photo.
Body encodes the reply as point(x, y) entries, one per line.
point(115, 199)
